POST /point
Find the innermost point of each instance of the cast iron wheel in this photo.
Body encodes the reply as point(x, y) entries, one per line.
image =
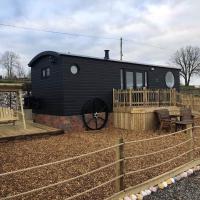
point(95, 114)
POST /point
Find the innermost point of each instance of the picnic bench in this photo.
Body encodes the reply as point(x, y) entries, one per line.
point(7, 115)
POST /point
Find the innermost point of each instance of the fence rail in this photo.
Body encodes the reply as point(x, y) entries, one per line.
point(191, 137)
point(151, 97)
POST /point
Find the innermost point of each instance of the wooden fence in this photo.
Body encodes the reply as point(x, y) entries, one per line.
point(189, 100)
point(190, 90)
point(186, 154)
point(151, 97)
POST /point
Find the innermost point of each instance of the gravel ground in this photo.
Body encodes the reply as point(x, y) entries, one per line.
point(29, 152)
point(185, 189)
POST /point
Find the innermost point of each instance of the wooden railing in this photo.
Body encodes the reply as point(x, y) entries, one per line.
point(152, 97)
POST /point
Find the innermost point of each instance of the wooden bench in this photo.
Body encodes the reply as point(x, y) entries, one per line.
point(7, 116)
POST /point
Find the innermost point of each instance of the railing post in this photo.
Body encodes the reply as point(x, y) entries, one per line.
point(113, 98)
point(170, 97)
point(22, 109)
point(174, 96)
point(144, 96)
point(158, 98)
point(120, 165)
point(130, 97)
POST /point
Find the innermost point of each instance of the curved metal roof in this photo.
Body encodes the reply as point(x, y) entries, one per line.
point(44, 53)
point(53, 53)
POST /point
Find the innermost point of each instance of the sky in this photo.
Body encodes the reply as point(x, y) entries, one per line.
point(152, 30)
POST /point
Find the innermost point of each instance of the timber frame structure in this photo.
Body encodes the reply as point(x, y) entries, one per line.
point(17, 88)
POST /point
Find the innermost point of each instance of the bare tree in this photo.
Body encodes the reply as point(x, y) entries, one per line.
point(188, 59)
point(10, 61)
point(28, 75)
point(20, 71)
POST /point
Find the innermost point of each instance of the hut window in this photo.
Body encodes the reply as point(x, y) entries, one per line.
point(74, 69)
point(169, 79)
point(45, 72)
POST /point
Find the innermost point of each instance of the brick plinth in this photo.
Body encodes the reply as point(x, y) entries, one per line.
point(67, 123)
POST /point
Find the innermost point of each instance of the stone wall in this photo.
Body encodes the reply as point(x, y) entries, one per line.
point(67, 123)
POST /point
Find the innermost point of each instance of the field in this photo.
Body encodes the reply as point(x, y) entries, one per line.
point(25, 153)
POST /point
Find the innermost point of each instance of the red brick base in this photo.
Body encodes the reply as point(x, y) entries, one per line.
point(67, 123)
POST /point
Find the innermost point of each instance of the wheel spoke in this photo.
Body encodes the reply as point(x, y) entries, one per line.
point(101, 118)
point(88, 122)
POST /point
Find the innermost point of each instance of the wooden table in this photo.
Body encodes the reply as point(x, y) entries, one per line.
point(175, 116)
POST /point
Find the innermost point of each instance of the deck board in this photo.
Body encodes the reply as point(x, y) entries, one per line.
point(13, 131)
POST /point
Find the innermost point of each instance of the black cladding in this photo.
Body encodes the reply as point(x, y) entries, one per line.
point(63, 93)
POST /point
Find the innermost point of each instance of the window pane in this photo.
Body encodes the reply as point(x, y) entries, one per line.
point(139, 79)
point(121, 78)
point(129, 80)
point(169, 79)
point(74, 69)
point(145, 83)
point(48, 72)
point(43, 73)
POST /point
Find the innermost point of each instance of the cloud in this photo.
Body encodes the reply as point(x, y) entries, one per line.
point(152, 29)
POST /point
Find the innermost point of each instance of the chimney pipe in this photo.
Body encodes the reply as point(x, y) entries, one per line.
point(106, 54)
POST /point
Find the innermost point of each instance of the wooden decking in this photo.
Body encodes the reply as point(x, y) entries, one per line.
point(139, 119)
point(9, 131)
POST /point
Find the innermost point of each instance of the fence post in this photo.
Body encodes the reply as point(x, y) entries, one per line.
point(191, 144)
point(120, 166)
